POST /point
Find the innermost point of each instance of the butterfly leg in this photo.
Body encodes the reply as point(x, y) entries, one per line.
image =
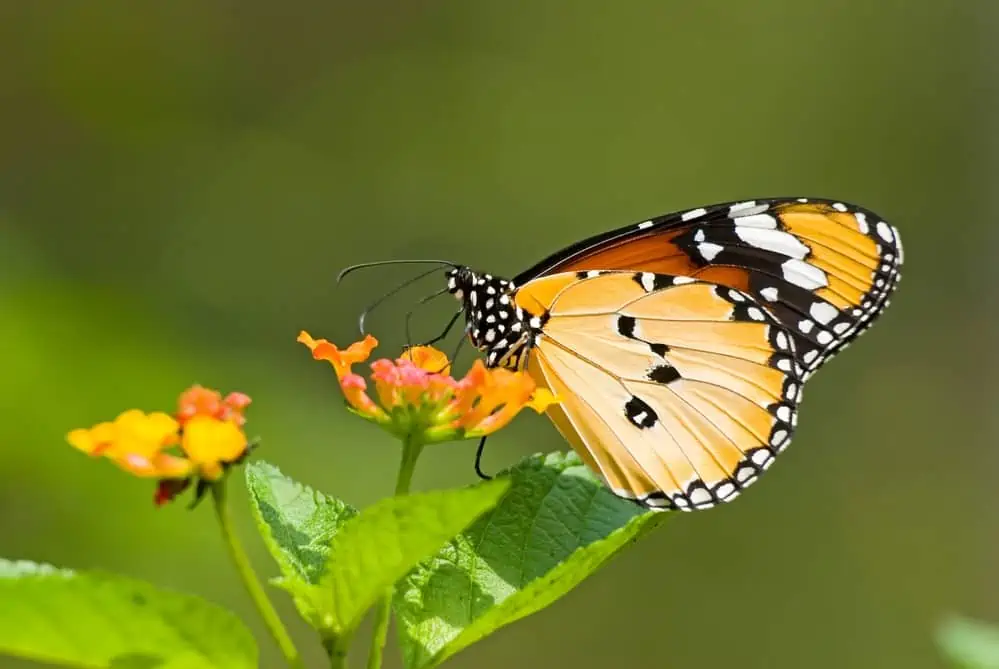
point(478, 459)
point(442, 335)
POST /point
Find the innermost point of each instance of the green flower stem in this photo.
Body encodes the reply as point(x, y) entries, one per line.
point(251, 581)
point(336, 649)
point(411, 449)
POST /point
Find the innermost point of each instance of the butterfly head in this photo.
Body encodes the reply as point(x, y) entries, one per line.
point(493, 321)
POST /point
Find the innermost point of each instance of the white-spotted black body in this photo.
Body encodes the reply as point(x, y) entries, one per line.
point(495, 324)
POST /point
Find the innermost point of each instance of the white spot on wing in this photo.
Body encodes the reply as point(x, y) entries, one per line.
point(758, 221)
point(644, 225)
point(724, 490)
point(839, 206)
point(862, 223)
point(693, 213)
point(770, 294)
point(750, 208)
point(709, 251)
point(885, 232)
point(823, 312)
point(802, 274)
point(772, 240)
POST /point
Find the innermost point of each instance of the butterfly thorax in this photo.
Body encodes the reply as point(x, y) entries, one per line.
point(495, 324)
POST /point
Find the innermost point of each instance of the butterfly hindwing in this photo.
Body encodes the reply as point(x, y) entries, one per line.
point(680, 392)
point(824, 269)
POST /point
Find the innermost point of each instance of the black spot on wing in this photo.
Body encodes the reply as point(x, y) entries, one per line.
point(626, 326)
point(651, 282)
point(663, 373)
point(640, 413)
point(659, 349)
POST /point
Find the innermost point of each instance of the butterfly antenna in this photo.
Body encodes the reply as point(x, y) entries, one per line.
point(374, 305)
point(478, 459)
point(380, 263)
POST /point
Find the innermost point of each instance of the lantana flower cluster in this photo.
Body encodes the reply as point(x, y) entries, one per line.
point(198, 441)
point(416, 398)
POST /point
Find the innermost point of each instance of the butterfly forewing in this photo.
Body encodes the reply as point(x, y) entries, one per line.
point(824, 269)
point(678, 391)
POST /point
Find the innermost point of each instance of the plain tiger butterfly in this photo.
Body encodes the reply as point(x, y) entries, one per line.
point(679, 346)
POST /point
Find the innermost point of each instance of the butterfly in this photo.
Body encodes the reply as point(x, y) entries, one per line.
point(679, 346)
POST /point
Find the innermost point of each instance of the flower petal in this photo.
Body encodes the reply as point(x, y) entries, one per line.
point(93, 441)
point(208, 442)
point(131, 432)
point(354, 388)
point(198, 400)
point(160, 465)
point(340, 360)
point(542, 399)
point(427, 358)
point(236, 404)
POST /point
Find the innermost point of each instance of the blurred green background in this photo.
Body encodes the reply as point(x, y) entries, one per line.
point(180, 182)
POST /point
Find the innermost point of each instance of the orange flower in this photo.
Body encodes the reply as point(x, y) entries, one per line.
point(418, 399)
point(201, 440)
point(197, 400)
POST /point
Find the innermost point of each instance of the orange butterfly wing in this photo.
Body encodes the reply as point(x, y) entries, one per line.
point(824, 269)
point(678, 392)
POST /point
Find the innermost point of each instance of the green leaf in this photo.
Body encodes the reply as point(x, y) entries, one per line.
point(969, 643)
point(297, 524)
point(372, 551)
point(557, 525)
point(99, 620)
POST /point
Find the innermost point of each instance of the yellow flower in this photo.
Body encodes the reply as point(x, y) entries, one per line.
point(210, 443)
point(201, 440)
point(418, 399)
point(135, 441)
